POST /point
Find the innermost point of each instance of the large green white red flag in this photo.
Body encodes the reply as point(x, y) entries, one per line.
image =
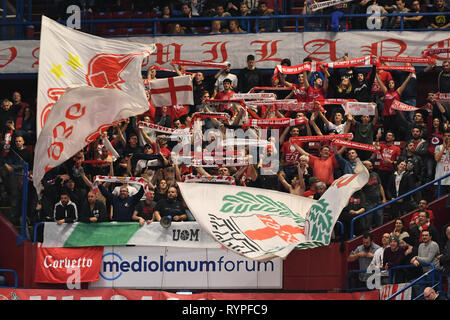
point(264, 224)
point(85, 84)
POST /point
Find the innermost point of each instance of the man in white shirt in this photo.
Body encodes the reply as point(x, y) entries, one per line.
point(222, 75)
point(377, 260)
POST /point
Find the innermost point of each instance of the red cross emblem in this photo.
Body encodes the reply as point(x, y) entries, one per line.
point(274, 229)
point(161, 87)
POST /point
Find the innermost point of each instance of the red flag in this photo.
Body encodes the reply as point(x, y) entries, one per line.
point(61, 265)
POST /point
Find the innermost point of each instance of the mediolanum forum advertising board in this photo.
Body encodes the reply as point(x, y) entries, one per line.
point(183, 268)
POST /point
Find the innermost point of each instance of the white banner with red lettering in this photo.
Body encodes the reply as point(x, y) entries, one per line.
point(69, 57)
point(388, 290)
point(18, 56)
point(68, 265)
point(125, 294)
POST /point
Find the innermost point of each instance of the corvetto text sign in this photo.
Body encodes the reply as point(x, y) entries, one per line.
point(182, 268)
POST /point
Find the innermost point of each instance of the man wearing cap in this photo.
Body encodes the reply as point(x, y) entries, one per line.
point(250, 76)
point(393, 256)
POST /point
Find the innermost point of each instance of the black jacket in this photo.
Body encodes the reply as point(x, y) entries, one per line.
point(415, 235)
point(122, 208)
point(68, 212)
point(168, 207)
point(99, 211)
point(248, 79)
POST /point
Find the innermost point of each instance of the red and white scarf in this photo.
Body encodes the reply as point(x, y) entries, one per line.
point(189, 178)
point(408, 59)
point(124, 180)
point(355, 145)
point(274, 123)
point(328, 137)
point(358, 62)
point(439, 96)
point(254, 96)
point(188, 63)
point(433, 51)
point(158, 128)
point(398, 68)
point(211, 115)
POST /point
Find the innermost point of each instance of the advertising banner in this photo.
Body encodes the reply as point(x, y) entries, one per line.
point(63, 265)
point(125, 294)
point(181, 268)
point(22, 56)
point(180, 234)
point(390, 289)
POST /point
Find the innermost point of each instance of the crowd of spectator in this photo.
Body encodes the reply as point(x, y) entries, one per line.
point(239, 8)
point(414, 146)
point(305, 169)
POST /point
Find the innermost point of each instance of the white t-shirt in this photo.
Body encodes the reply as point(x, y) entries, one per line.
point(340, 128)
point(443, 166)
point(219, 81)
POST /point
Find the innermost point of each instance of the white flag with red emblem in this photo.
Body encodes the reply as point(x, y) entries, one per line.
point(171, 91)
point(85, 85)
point(69, 57)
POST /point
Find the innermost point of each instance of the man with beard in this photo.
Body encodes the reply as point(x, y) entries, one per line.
point(364, 254)
point(123, 204)
point(144, 210)
point(65, 210)
point(414, 163)
point(170, 207)
point(93, 210)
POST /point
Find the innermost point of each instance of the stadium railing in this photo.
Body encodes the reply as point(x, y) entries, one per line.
point(435, 280)
point(21, 23)
point(14, 273)
point(432, 283)
point(381, 206)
